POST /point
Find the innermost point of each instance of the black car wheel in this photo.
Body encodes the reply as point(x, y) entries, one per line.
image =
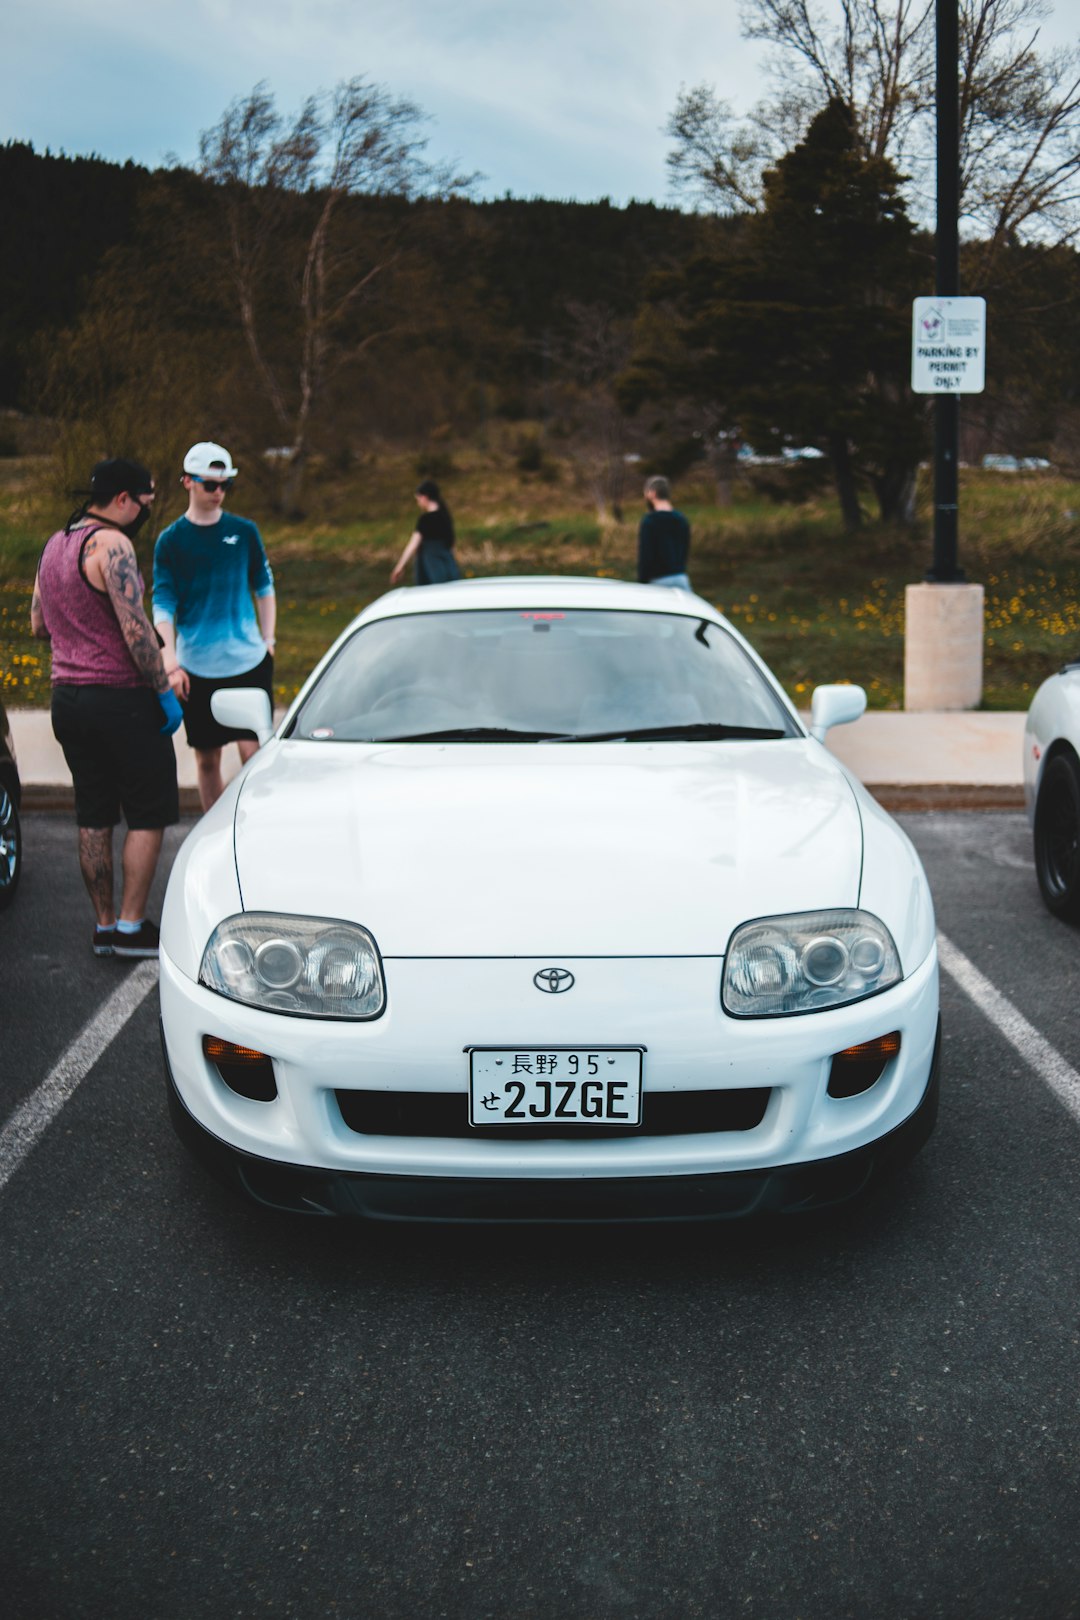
point(1057, 837)
point(10, 848)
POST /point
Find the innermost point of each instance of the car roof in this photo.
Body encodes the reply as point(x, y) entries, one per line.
point(537, 591)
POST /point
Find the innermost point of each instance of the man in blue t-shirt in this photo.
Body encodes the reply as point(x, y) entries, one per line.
point(663, 539)
point(214, 608)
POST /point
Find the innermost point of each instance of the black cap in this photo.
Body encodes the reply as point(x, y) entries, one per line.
point(118, 477)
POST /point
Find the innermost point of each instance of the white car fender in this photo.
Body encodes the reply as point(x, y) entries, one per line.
point(1054, 715)
point(203, 886)
point(893, 886)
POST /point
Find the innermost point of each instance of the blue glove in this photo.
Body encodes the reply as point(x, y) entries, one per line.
point(170, 708)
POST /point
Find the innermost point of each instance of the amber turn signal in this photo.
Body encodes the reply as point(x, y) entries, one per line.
point(857, 1068)
point(244, 1070)
point(217, 1050)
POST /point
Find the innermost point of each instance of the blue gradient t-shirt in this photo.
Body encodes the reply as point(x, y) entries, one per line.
point(204, 579)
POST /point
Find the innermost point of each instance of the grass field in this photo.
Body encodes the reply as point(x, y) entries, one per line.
point(819, 605)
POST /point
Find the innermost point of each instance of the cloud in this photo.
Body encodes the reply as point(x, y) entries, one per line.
point(560, 98)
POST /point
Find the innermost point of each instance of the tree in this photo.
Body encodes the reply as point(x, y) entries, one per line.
point(305, 274)
point(126, 376)
point(1029, 403)
point(588, 359)
point(1019, 110)
point(802, 329)
point(672, 375)
point(70, 210)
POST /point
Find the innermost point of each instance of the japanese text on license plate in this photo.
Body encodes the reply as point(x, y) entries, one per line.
point(556, 1085)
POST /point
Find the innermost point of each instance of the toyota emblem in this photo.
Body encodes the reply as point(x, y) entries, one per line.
point(553, 980)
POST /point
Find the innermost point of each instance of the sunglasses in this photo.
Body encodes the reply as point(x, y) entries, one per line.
point(211, 485)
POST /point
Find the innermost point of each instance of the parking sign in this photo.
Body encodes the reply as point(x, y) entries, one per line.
point(948, 345)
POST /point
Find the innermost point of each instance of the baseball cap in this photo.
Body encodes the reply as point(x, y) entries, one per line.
point(209, 460)
point(119, 476)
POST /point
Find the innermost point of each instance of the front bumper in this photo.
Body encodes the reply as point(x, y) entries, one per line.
point(436, 1012)
point(782, 1189)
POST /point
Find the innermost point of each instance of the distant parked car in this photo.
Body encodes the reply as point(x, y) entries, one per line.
point(801, 452)
point(1052, 789)
point(543, 903)
point(1015, 464)
point(10, 831)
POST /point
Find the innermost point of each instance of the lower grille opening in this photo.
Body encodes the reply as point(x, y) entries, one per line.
point(664, 1113)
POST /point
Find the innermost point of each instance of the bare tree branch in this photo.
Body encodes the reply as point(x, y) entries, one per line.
point(282, 187)
point(1019, 108)
point(715, 160)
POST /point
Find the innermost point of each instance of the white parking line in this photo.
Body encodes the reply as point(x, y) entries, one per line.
point(1047, 1062)
point(33, 1117)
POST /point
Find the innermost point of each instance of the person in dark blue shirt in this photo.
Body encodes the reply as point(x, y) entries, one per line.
point(663, 539)
point(214, 609)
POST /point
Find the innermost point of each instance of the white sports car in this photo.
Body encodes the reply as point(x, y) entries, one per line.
point(543, 904)
point(1052, 789)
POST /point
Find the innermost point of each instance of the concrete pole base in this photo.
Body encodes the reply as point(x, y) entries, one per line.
point(943, 647)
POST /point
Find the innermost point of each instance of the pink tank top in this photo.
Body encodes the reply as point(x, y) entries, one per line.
point(88, 647)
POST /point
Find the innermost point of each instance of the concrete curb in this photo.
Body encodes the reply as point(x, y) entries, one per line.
point(945, 796)
point(960, 761)
point(60, 798)
point(891, 796)
point(941, 796)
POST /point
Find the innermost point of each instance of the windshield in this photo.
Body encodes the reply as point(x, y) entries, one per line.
point(504, 675)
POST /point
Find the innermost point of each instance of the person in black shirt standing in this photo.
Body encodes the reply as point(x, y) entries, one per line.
point(663, 539)
point(431, 542)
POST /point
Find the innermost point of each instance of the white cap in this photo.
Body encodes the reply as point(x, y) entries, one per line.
point(209, 460)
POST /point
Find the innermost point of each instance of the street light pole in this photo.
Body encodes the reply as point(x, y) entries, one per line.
point(945, 569)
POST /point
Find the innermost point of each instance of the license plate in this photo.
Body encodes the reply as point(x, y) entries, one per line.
point(557, 1085)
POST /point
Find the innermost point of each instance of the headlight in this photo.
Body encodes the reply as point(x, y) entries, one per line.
point(807, 962)
point(309, 966)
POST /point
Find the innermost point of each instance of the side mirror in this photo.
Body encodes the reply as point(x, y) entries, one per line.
point(247, 708)
point(835, 706)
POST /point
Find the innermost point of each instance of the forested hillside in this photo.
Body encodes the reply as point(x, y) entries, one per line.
point(486, 293)
point(306, 325)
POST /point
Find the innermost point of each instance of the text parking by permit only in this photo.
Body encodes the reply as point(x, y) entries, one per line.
point(948, 345)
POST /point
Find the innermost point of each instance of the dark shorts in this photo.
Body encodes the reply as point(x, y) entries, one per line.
point(202, 730)
point(435, 564)
point(120, 761)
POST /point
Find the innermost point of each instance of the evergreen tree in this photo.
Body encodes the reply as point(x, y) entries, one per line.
point(802, 329)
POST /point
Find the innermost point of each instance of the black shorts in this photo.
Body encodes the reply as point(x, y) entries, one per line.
point(200, 727)
point(120, 761)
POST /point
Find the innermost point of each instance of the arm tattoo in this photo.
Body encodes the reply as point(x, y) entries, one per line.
point(38, 627)
point(120, 571)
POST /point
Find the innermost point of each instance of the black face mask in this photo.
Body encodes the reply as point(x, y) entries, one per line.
point(131, 529)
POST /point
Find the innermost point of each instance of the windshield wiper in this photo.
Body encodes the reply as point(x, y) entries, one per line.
point(698, 731)
point(471, 734)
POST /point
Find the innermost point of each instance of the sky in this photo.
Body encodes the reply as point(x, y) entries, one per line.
point(552, 98)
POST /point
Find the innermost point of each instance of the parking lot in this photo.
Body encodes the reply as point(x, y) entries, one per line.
point(213, 1411)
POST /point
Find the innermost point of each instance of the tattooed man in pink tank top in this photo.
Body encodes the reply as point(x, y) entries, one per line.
point(113, 711)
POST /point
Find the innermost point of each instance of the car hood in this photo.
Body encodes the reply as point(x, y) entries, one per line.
point(565, 850)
